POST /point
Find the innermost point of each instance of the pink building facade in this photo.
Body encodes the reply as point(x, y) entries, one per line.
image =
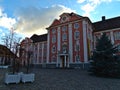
point(71, 40)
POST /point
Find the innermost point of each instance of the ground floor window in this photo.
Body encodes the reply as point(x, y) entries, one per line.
point(77, 58)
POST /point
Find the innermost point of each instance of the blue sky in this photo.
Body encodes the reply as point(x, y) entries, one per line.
point(28, 17)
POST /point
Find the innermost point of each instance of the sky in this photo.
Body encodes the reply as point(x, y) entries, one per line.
point(28, 17)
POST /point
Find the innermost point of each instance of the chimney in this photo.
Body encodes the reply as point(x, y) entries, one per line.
point(103, 18)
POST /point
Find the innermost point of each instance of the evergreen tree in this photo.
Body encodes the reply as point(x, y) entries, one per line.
point(105, 61)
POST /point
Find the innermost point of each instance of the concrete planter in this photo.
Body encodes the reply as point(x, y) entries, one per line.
point(12, 78)
point(4, 67)
point(28, 77)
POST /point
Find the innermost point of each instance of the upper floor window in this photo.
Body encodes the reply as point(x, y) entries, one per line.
point(76, 34)
point(77, 47)
point(53, 31)
point(53, 39)
point(53, 49)
point(64, 37)
point(64, 28)
point(117, 35)
point(40, 45)
point(76, 25)
point(45, 45)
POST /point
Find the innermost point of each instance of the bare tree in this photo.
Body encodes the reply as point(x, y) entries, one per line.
point(10, 39)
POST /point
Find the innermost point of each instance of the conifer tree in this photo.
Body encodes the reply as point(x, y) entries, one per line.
point(105, 61)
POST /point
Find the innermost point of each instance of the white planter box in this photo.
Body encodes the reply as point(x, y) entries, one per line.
point(4, 67)
point(12, 78)
point(28, 77)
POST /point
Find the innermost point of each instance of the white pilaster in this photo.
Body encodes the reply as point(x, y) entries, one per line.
point(38, 47)
point(85, 41)
point(68, 62)
point(112, 37)
point(70, 43)
point(42, 52)
point(48, 47)
point(58, 44)
point(65, 60)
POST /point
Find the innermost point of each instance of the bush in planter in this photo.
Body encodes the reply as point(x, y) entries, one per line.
point(105, 61)
point(28, 77)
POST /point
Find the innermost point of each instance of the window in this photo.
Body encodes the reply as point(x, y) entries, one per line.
point(117, 35)
point(45, 45)
point(44, 54)
point(53, 58)
point(77, 58)
point(64, 49)
point(53, 49)
point(40, 45)
point(76, 25)
point(64, 37)
point(76, 34)
point(77, 47)
point(119, 47)
point(53, 39)
point(64, 28)
point(53, 31)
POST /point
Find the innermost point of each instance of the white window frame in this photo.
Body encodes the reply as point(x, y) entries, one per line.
point(54, 39)
point(64, 28)
point(76, 36)
point(64, 37)
point(77, 58)
point(53, 31)
point(53, 49)
point(53, 59)
point(76, 25)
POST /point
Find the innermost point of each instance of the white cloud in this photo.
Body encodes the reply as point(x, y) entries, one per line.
point(5, 21)
point(90, 5)
point(34, 20)
point(2, 33)
point(80, 1)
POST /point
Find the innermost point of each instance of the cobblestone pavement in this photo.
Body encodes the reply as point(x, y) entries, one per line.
point(62, 79)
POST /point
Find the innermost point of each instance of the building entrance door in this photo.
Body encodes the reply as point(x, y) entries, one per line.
point(64, 61)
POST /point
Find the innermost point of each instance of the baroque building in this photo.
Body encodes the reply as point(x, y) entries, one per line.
point(70, 41)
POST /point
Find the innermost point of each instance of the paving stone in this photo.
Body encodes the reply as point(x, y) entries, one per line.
point(62, 79)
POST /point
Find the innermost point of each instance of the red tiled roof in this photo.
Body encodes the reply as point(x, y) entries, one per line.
point(39, 38)
point(107, 24)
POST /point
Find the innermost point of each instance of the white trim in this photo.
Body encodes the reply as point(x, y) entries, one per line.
point(58, 39)
point(70, 43)
point(112, 37)
point(38, 46)
point(42, 52)
point(66, 23)
point(58, 44)
point(48, 43)
point(107, 30)
point(85, 41)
